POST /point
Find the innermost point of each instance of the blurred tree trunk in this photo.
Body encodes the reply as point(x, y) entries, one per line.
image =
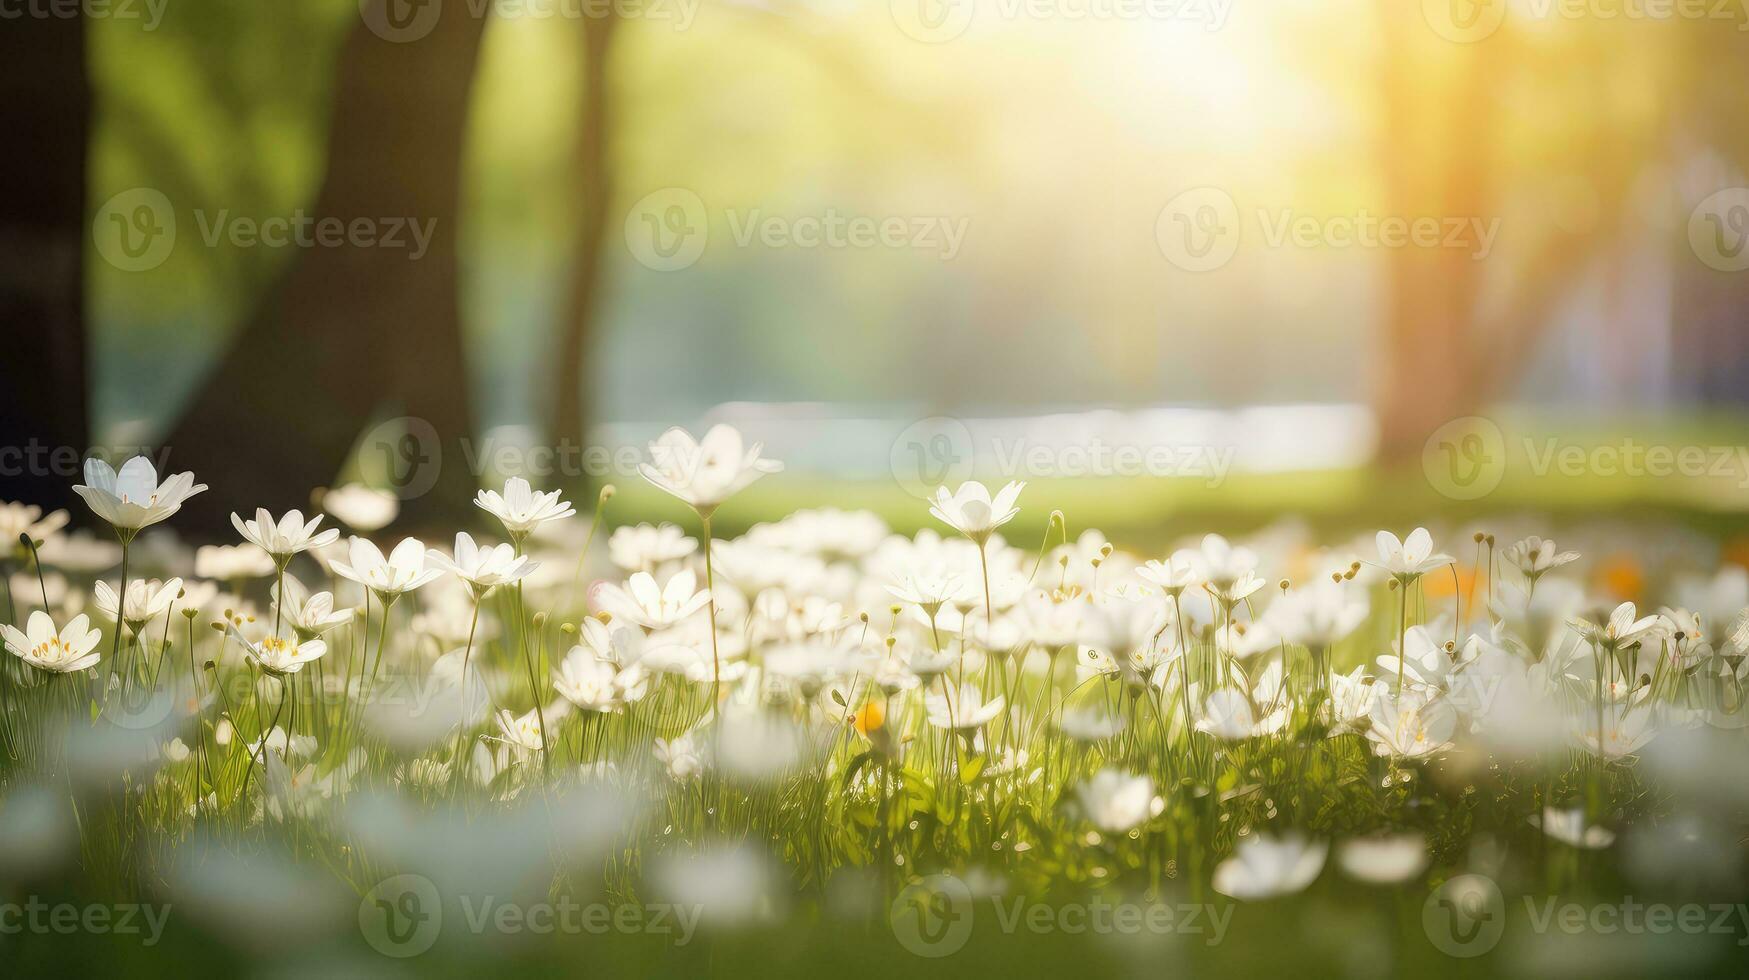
point(355, 332)
point(46, 116)
point(1434, 164)
point(569, 426)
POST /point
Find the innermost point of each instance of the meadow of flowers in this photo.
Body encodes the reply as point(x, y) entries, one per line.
point(559, 740)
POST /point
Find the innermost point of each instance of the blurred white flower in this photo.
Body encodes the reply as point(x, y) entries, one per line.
point(1263, 867)
point(647, 547)
point(229, 563)
point(361, 508)
point(1570, 827)
point(962, 708)
point(1387, 860)
point(1117, 802)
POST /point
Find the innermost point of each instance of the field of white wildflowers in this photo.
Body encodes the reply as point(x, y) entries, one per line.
point(1004, 742)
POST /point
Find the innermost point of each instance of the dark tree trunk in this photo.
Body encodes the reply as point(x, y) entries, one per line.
point(355, 332)
point(569, 424)
point(45, 115)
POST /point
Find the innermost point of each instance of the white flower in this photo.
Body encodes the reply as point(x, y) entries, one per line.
point(1625, 731)
point(680, 757)
point(962, 708)
point(133, 498)
point(971, 510)
point(1173, 575)
point(1116, 802)
point(1223, 566)
point(279, 655)
point(1622, 629)
point(73, 649)
point(308, 615)
point(930, 592)
point(361, 508)
point(594, 684)
point(1410, 725)
point(1319, 615)
point(641, 601)
point(1227, 714)
point(1534, 556)
point(1264, 867)
point(403, 571)
point(147, 599)
point(228, 563)
point(286, 537)
point(27, 519)
point(1410, 558)
point(1388, 860)
point(1569, 827)
point(483, 568)
point(521, 508)
point(706, 472)
point(1350, 705)
point(521, 731)
point(646, 547)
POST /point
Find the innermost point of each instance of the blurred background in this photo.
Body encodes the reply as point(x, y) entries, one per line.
point(1335, 257)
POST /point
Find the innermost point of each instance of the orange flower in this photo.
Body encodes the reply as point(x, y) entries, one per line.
point(870, 718)
point(1621, 577)
point(1438, 584)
